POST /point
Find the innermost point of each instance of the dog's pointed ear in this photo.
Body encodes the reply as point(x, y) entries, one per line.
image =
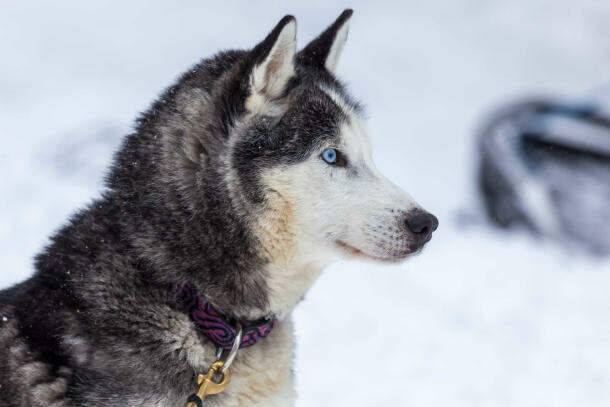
point(325, 50)
point(272, 64)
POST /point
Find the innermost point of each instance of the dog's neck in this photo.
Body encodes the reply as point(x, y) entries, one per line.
point(288, 285)
point(293, 265)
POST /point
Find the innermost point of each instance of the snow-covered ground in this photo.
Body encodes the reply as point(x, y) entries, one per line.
point(481, 318)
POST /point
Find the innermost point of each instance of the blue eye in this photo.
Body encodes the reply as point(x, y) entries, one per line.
point(330, 155)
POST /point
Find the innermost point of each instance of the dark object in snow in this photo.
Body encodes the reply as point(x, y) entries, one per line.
point(545, 166)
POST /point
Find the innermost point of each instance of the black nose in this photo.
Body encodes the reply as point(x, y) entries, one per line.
point(422, 224)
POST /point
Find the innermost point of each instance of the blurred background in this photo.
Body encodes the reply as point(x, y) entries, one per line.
point(487, 315)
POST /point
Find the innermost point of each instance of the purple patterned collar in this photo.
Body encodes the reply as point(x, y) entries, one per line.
point(216, 326)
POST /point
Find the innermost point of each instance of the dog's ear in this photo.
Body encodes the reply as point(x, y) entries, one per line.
point(272, 65)
point(325, 50)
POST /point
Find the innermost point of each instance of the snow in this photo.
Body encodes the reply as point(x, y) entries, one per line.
point(481, 318)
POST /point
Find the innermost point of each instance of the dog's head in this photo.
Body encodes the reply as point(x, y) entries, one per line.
point(260, 158)
point(303, 144)
point(254, 170)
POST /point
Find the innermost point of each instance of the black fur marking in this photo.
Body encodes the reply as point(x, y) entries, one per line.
point(316, 52)
point(312, 121)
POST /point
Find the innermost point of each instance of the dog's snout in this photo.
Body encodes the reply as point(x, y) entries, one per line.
point(422, 224)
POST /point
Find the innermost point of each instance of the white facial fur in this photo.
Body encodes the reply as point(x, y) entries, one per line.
point(344, 211)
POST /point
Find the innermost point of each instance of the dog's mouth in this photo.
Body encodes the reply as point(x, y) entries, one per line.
point(354, 252)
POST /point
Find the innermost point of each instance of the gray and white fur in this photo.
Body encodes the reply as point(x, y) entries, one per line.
point(222, 185)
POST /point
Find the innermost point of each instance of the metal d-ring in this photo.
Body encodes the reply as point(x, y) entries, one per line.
point(232, 352)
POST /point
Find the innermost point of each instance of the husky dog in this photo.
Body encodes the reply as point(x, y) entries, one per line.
point(244, 180)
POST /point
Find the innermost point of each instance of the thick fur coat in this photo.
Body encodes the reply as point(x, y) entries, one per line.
point(221, 185)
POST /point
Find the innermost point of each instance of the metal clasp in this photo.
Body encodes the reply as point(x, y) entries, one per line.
point(206, 382)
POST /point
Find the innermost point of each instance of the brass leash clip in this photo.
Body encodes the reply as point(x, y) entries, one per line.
point(206, 382)
point(207, 385)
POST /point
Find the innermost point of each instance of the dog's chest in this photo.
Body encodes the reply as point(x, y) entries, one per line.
point(261, 375)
